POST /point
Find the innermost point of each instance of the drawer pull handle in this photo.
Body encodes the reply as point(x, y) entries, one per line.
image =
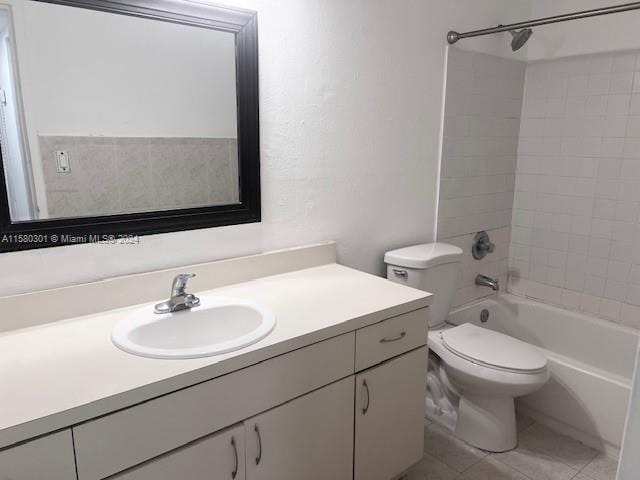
point(394, 339)
point(259, 454)
point(365, 408)
point(234, 473)
point(400, 273)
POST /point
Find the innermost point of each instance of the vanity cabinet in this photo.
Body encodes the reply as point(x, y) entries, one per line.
point(389, 413)
point(309, 438)
point(219, 456)
point(346, 408)
point(49, 457)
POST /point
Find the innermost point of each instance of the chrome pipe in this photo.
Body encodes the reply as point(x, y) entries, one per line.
point(453, 37)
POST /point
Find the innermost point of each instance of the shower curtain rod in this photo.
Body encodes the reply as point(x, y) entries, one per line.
point(453, 37)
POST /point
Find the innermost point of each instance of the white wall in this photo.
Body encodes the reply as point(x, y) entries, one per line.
point(593, 35)
point(94, 73)
point(351, 104)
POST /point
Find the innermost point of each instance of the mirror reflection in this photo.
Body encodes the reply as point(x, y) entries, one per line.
point(97, 119)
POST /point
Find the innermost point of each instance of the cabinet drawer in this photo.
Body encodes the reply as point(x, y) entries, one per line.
point(113, 443)
point(390, 338)
point(218, 456)
point(49, 457)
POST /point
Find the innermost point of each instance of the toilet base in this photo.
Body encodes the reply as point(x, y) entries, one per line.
point(487, 423)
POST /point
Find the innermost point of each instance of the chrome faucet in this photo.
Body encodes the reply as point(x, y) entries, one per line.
point(484, 281)
point(180, 299)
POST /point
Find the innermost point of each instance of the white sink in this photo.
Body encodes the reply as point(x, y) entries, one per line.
point(219, 325)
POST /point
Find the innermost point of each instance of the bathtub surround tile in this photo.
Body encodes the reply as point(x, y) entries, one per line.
point(126, 175)
point(577, 173)
point(630, 316)
point(494, 265)
point(601, 468)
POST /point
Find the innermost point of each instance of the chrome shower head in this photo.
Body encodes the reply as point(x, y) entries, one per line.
point(519, 38)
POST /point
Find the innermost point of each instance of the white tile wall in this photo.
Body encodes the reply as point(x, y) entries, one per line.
point(482, 118)
point(576, 223)
point(494, 265)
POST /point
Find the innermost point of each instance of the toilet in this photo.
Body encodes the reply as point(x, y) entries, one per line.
point(474, 373)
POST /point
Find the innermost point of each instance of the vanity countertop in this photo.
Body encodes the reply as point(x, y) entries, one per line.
point(63, 373)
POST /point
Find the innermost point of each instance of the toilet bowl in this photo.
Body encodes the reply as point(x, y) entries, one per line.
point(474, 373)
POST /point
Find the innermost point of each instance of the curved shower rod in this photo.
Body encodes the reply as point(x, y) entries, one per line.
point(453, 37)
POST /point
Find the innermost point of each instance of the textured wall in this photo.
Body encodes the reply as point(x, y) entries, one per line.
point(350, 107)
point(575, 224)
point(602, 34)
point(125, 175)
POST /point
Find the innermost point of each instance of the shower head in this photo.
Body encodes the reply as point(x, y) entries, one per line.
point(519, 38)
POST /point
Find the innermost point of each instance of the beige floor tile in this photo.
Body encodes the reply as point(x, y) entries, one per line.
point(430, 468)
point(536, 465)
point(601, 468)
point(562, 448)
point(491, 469)
point(523, 421)
point(581, 476)
point(445, 447)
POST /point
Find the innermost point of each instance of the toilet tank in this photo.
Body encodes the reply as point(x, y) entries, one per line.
point(432, 267)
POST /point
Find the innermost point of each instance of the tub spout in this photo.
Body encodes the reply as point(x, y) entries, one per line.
point(484, 281)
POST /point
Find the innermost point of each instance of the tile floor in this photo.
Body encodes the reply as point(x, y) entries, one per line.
point(542, 454)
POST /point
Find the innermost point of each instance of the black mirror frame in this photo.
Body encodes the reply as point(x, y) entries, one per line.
point(125, 227)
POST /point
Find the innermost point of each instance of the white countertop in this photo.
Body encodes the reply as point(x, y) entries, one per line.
point(60, 374)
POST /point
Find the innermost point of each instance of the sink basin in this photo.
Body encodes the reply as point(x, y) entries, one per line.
point(219, 325)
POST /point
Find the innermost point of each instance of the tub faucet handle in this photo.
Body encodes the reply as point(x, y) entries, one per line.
point(482, 246)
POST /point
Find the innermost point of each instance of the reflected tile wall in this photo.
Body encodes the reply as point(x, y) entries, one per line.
point(480, 142)
point(483, 104)
point(125, 175)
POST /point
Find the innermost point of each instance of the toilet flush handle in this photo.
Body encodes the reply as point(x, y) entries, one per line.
point(400, 273)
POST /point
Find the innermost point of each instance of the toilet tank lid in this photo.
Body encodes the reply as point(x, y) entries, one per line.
point(424, 256)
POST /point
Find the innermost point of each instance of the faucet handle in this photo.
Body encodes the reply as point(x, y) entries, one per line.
point(179, 285)
point(482, 246)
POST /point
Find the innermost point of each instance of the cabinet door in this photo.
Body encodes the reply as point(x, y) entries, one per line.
point(309, 438)
point(217, 457)
point(389, 413)
point(49, 458)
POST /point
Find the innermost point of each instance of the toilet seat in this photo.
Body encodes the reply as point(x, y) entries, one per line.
point(493, 350)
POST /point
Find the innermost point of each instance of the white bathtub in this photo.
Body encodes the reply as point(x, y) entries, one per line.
point(591, 365)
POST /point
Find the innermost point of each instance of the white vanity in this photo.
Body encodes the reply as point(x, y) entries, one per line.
point(335, 391)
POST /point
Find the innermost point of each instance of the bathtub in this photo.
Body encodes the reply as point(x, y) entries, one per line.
point(591, 363)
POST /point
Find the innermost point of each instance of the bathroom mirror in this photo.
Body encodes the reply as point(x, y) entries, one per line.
point(125, 118)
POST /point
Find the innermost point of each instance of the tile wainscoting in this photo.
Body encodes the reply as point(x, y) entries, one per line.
point(111, 175)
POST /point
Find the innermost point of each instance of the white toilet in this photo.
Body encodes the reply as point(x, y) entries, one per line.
point(474, 373)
